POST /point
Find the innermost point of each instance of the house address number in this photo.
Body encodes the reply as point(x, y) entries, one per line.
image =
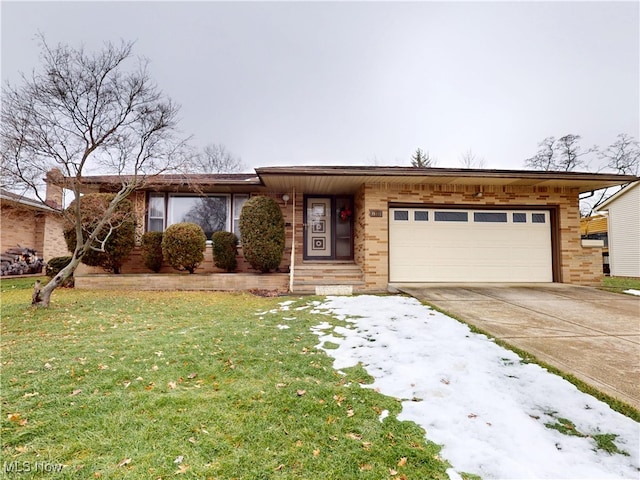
point(375, 213)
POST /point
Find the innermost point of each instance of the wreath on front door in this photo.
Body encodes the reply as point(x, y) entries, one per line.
point(345, 213)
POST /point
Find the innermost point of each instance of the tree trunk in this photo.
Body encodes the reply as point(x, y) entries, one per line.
point(42, 296)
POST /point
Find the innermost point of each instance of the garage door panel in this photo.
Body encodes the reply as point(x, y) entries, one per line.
point(430, 251)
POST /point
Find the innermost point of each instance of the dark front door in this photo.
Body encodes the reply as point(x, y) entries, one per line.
point(328, 232)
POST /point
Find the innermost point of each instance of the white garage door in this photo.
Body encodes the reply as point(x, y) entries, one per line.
point(440, 245)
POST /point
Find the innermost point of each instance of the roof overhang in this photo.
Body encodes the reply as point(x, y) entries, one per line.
point(318, 179)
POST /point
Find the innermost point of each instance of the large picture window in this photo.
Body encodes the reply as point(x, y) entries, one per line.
point(212, 212)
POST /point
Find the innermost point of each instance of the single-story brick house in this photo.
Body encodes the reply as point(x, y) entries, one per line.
point(30, 223)
point(370, 227)
point(624, 231)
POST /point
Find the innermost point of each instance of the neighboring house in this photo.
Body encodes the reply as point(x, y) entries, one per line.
point(624, 231)
point(369, 227)
point(596, 228)
point(30, 223)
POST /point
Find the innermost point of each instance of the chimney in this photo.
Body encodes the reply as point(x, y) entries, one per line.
point(54, 180)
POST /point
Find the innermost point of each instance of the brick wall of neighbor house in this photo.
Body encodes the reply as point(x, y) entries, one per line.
point(32, 228)
point(578, 265)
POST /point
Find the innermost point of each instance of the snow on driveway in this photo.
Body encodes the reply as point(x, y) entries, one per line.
point(478, 400)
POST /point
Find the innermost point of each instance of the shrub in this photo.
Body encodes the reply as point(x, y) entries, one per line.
point(121, 240)
point(262, 231)
point(54, 265)
point(183, 246)
point(225, 249)
point(152, 250)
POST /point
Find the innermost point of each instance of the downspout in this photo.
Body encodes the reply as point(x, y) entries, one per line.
point(293, 240)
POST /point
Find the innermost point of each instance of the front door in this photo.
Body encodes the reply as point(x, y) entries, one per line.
point(328, 228)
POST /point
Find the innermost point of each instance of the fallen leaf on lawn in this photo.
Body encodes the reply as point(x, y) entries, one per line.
point(171, 385)
point(402, 462)
point(13, 417)
point(280, 385)
point(126, 384)
point(139, 379)
point(154, 368)
point(392, 472)
point(97, 475)
point(192, 440)
point(150, 386)
point(124, 461)
point(316, 452)
point(339, 399)
point(29, 395)
point(48, 366)
point(22, 449)
point(279, 467)
point(366, 445)
point(301, 392)
point(354, 436)
point(192, 375)
point(350, 412)
point(103, 367)
point(76, 392)
point(182, 469)
point(178, 459)
point(365, 467)
point(299, 443)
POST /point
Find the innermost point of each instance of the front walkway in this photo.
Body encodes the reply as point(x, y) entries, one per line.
point(590, 333)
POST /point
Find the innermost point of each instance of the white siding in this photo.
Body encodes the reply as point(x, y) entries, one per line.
point(624, 233)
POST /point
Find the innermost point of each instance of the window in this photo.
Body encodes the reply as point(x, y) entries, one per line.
point(211, 212)
point(490, 217)
point(421, 216)
point(519, 218)
point(156, 212)
point(451, 216)
point(538, 218)
point(401, 215)
point(238, 203)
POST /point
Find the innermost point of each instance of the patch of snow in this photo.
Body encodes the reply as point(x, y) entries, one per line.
point(633, 291)
point(384, 414)
point(478, 400)
point(282, 327)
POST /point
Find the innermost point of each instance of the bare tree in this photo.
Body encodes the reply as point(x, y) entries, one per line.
point(470, 160)
point(563, 154)
point(422, 160)
point(215, 158)
point(623, 155)
point(84, 113)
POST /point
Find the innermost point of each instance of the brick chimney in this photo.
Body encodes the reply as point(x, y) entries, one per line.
point(54, 180)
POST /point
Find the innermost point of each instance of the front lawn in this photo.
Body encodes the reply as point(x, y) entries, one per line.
point(620, 284)
point(204, 385)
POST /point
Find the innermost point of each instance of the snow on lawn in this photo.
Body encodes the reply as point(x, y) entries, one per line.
point(633, 291)
point(476, 399)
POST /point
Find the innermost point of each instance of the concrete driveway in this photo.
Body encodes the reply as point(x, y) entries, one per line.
point(590, 333)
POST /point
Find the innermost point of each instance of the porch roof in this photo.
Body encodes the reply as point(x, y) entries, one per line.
point(339, 179)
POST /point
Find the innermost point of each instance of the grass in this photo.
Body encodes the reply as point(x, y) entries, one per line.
point(620, 284)
point(145, 385)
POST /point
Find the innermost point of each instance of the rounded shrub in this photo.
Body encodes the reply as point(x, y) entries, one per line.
point(225, 250)
point(121, 239)
point(183, 246)
point(152, 250)
point(262, 231)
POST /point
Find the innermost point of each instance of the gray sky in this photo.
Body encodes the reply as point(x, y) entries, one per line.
point(366, 83)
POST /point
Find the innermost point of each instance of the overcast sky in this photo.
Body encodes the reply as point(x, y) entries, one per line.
point(366, 83)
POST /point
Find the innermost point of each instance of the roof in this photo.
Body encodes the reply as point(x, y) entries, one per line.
point(594, 224)
point(336, 179)
point(21, 200)
point(333, 179)
point(616, 196)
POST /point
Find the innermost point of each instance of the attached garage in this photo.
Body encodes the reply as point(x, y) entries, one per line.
point(469, 245)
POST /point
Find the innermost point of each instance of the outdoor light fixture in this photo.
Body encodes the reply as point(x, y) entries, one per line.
point(285, 198)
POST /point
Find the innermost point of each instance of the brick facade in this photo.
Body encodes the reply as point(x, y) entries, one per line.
point(577, 265)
